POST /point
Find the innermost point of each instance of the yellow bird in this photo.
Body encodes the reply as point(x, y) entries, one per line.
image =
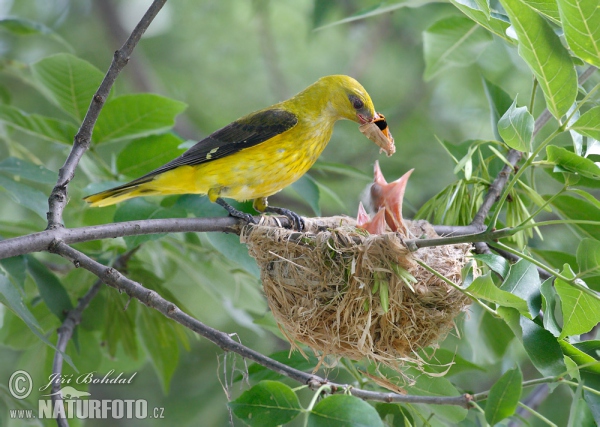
point(259, 154)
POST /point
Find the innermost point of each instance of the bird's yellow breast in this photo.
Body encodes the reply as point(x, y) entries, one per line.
point(258, 171)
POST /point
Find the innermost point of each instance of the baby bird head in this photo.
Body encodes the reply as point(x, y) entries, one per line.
point(345, 98)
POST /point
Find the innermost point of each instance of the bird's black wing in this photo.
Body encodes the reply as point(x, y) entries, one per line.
point(243, 133)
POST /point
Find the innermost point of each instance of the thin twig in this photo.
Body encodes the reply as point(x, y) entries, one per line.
point(65, 332)
point(58, 198)
point(150, 298)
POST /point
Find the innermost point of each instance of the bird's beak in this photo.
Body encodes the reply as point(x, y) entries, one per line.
point(364, 118)
point(377, 131)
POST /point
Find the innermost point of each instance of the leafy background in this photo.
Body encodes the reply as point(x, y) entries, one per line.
point(443, 83)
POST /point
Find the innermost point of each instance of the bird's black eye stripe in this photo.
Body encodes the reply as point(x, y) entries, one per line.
point(357, 103)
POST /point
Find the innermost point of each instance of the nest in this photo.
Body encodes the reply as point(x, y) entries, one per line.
point(319, 286)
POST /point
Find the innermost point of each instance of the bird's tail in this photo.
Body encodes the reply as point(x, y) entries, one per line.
point(118, 194)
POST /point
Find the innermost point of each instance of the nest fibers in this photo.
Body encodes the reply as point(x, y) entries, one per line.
point(319, 286)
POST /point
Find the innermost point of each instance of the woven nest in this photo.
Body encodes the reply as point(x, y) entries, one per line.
point(319, 286)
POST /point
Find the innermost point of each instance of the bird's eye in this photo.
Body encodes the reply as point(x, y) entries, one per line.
point(357, 103)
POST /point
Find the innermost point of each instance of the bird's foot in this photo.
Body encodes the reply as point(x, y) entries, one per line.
point(235, 213)
point(296, 220)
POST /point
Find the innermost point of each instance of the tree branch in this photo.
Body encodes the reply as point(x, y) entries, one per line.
point(152, 299)
point(58, 197)
point(65, 332)
point(513, 158)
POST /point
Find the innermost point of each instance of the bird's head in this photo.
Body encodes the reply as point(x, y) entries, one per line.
point(348, 98)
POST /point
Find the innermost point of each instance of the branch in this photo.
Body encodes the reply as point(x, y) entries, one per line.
point(513, 158)
point(150, 298)
point(58, 198)
point(65, 332)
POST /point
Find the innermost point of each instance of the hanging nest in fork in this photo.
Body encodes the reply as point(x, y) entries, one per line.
point(325, 287)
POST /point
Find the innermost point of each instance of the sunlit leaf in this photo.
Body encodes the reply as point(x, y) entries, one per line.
point(523, 280)
point(136, 116)
point(588, 257)
point(581, 23)
point(69, 81)
point(581, 311)
point(589, 123)
point(542, 50)
point(495, 22)
point(572, 162)
point(483, 287)
point(516, 127)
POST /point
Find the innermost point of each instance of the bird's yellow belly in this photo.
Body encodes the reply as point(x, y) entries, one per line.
point(258, 171)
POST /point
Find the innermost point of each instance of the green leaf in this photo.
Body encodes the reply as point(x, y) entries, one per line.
point(443, 358)
point(341, 410)
point(136, 116)
point(269, 403)
point(146, 154)
point(11, 298)
point(16, 268)
point(542, 348)
point(581, 311)
point(26, 196)
point(401, 417)
point(137, 209)
point(548, 8)
point(25, 27)
point(581, 23)
point(453, 41)
point(493, 22)
point(591, 398)
point(572, 162)
point(504, 396)
point(523, 280)
point(307, 189)
point(588, 123)
point(46, 128)
point(588, 257)
point(495, 262)
point(583, 360)
point(69, 81)
point(542, 50)
point(159, 339)
point(516, 127)
point(499, 102)
point(573, 208)
point(26, 170)
point(483, 287)
point(51, 289)
point(296, 360)
point(426, 385)
point(341, 169)
point(549, 307)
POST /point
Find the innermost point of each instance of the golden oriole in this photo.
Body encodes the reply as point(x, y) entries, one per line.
point(259, 154)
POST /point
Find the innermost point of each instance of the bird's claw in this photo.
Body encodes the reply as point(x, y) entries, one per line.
point(235, 213)
point(296, 221)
